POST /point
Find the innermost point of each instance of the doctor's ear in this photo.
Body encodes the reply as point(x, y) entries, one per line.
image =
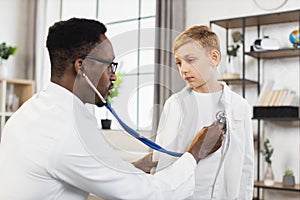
point(78, 66)
point(215, 57)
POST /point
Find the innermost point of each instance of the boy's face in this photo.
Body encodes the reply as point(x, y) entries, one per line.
point(195, 65)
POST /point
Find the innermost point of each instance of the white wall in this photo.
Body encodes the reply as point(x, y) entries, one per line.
point(9, 30)
point(284, 136)
point(15, 15)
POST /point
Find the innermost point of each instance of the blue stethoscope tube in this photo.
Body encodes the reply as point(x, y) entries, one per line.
point(129, 130)
point(135, 134)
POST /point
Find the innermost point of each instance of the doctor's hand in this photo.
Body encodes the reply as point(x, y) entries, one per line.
point(145, 163)
point(208, 140)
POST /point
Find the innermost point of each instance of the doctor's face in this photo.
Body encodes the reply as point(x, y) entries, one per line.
point(194, 64)
point(100, 69)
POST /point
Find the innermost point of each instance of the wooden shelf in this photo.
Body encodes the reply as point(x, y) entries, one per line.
point(17, 81)
point(277, 186)
point(7, 114)
point(271, 54)
point(22, 88)
point(255, 20)
point(238, 81)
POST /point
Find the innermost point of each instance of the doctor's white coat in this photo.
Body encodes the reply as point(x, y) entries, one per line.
point(51, 149)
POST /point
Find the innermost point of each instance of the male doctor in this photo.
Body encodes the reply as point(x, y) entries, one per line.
point(51, 148)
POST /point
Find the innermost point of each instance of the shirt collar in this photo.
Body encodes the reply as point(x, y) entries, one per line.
point(226, 97)
point(61, 94)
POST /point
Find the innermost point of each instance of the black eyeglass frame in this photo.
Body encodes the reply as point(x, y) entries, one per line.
point(113, 65)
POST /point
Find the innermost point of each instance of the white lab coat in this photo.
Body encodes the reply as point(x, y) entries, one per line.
point(177, 128)
point(51, 149)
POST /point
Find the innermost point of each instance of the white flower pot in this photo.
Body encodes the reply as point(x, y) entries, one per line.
point(3, 71)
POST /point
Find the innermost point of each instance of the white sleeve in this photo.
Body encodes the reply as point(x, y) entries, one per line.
point(167, 133)
point(247, 179)
point(113, 178)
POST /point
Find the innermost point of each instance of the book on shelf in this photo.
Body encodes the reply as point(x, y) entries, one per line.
point(291, 99)
point(273, 97)
point(268, 98)
point(280, 97)
point(265, 93)
point(283, 97)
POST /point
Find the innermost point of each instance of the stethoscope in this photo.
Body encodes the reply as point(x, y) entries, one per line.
point(221, 118)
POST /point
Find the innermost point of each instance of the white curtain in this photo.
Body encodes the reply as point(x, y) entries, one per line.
point(42, 67)
point(47, 13)
point(26, 37)
point(37, 64)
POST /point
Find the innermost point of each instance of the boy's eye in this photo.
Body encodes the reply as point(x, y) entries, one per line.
point(189, 60)
point(178, 63)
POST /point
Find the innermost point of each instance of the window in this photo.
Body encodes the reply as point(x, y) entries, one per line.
point(131, 31)
point(130, 25)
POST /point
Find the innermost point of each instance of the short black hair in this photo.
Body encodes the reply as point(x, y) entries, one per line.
point(71, 39)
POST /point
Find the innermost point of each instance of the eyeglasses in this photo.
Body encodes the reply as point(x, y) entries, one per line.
point(112, 66)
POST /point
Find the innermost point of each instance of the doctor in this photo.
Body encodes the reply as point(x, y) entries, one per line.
point(51, 147)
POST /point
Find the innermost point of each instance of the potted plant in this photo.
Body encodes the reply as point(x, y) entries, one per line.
point(5, 52)
point(106, 123)
point(231, 70)
point(288, 178)
point(268, 152)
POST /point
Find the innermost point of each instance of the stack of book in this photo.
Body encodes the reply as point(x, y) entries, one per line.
point(278, 98)
point(281, 103)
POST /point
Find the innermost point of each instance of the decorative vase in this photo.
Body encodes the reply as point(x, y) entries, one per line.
point(231, 70)
point(269, 175)
point(3, 71)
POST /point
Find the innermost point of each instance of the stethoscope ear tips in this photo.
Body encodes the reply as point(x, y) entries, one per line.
point(82, 69)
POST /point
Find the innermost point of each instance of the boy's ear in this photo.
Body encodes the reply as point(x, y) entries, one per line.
point(215, 57)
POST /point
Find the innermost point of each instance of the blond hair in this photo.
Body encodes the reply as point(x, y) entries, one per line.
point(200, 34)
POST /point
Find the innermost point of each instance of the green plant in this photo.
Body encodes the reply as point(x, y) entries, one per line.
point(289, 172)
point(232, 49)
point(6, 51)
point(268, 151)
point(115, 91)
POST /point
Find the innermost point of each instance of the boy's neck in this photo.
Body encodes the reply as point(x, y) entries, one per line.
point(209, 87)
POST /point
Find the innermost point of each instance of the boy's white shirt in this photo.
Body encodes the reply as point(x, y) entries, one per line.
point(178, 126)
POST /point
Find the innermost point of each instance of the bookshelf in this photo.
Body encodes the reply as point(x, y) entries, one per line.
point(257, 21)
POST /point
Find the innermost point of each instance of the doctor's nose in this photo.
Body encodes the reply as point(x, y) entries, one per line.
point(113, 77)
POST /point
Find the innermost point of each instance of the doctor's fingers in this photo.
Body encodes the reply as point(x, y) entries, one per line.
point(145, 163)
point(212, 141)
point(218, 144)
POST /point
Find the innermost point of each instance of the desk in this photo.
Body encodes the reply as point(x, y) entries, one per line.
point(128, 147)
point(93, 197)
